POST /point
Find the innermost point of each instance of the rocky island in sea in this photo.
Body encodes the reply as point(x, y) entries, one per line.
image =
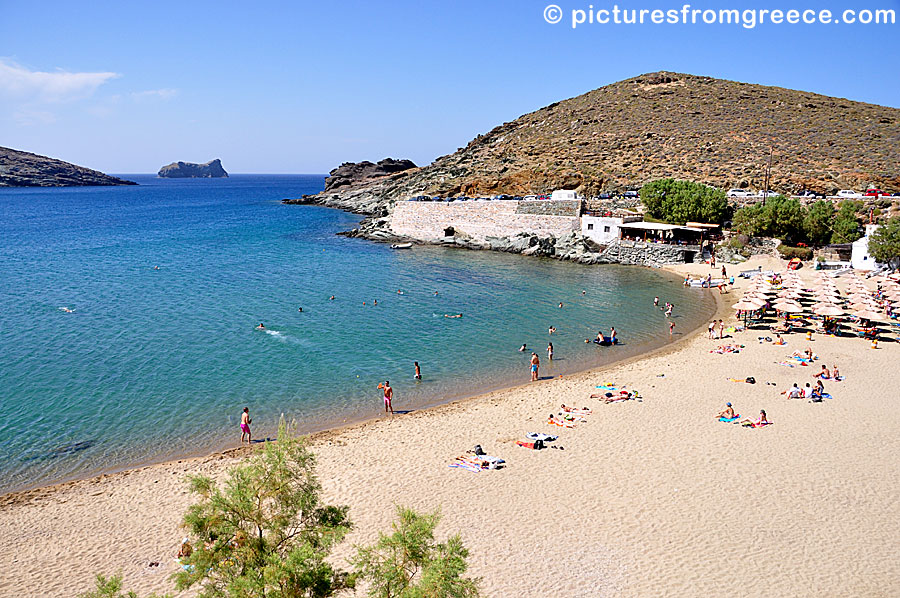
point(24, 169)
point(189, 170)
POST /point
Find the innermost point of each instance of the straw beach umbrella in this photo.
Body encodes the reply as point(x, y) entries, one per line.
point(790, 308)
point(827, 309)
point(870, 315)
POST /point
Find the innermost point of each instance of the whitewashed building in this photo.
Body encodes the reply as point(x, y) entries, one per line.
point(604, 229)
point(859, 255)
point(563, 194)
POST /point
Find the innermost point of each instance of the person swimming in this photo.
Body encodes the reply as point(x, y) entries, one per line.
point(299, 309)
point(331, 298)
point(523, 348)
point(452, 315)
point(261, 326)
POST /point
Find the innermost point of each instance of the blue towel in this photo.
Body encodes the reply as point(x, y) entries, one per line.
point(728, 421)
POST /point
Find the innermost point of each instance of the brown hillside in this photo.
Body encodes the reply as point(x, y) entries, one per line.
point(667, 125)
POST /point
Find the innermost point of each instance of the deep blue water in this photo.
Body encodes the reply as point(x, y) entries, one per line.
point(154, 363)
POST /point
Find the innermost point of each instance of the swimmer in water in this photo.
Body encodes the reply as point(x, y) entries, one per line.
point(583, 293)
point(156, 267)
point(523, 348)
point(399, 292)
point(261, 326)
point(418, 371)
point(435, 294)
point(375, 302)
point(453, 315)
point(299, 309)
point(551, 330)
point(560, 304)
point(331, 298)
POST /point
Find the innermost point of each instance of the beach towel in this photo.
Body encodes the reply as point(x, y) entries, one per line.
point(606, 387)
point(584, 411)
point(731, 420)
point(561, 424)
point(753, 425)
point(541, 437)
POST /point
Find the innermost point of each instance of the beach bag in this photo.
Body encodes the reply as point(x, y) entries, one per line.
point(751, 380)
point(538, 445)
point(479, 450)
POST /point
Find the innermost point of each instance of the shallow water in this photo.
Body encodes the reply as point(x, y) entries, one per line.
point(151, 364)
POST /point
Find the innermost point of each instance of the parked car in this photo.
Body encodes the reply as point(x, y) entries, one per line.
point(809, 193)
point(605, 196)
point(764, 193)
point(739, 193)
point(875, 192)
point(631, 194)
point(848, 194)
point(530, 198)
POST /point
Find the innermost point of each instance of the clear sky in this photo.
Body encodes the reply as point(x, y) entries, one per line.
point(299, 87)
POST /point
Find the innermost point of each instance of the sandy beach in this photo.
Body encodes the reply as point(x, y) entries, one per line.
point(650, 497)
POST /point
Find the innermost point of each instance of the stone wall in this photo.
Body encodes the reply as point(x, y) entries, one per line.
point(479, 220)
point(648, 254)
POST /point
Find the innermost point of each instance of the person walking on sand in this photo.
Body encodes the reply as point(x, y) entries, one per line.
point(388, 398)
point(245, 425)
point(535, 365)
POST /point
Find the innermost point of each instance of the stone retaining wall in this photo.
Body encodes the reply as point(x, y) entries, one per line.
point(478, 220)
point(648, 254)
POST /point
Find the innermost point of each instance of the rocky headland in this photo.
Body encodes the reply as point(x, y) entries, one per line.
point(24, 169)
point(189, 170)
point(657, 125)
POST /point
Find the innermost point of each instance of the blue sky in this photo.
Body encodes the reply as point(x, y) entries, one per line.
point(299, 87)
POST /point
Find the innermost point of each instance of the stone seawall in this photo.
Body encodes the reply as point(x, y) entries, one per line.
point(478, 220)
point(647, 254)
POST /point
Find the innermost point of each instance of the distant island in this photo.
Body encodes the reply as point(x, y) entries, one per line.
point(188, 170)
point(24, 169)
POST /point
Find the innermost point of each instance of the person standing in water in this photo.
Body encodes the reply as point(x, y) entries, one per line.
point(245, 425)
point(671, 328)
point(418, 371)
point(656, 302)
point(535, 365)
point(388, 397)
point(550, 351)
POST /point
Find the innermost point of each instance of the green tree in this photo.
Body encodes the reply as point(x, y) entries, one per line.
point(846, 225)
point(110, 587)
point(410, 564)
point(684, 201)
point(818, 222)
point(884, 243)
point(780, 217)
point(265, 533)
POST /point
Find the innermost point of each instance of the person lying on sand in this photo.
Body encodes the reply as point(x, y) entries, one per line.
point(728, 413)
point(762, 421)
point(582, 411)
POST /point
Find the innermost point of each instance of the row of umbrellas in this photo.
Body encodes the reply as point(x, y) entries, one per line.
point(825, 297)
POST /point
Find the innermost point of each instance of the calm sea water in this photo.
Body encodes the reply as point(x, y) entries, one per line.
point(151, 364)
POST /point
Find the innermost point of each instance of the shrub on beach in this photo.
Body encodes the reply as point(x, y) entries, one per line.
point(410, 564)
point(111, 587)
point(787, 252)
point(884, 244)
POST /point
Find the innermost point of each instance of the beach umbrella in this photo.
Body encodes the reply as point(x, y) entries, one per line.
point(789, 308)
point(746, 305)
point(827, 299)
point(827, 309)
point(870, 315)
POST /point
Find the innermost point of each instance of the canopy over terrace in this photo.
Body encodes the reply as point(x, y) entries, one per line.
point(661, 232)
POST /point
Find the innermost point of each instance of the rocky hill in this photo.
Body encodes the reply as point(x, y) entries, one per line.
point(23, 169)
point(661, 125)
point(189, 170)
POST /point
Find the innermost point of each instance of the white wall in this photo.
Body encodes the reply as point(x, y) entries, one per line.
point(859, 257)
point(600, 229)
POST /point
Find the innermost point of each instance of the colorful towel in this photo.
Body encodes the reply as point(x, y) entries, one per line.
point(730, 420)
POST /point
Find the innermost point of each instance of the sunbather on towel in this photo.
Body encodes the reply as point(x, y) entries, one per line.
point(582, 411)
point(762, 421)
point(728, 413)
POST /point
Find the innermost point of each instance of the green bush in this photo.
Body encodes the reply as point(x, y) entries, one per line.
point(787, 252)
point(684, 201)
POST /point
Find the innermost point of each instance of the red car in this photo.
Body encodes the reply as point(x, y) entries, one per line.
point(875, 193)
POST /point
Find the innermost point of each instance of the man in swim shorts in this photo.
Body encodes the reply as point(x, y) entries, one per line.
point(388, 397)
point(535, 364)
point(245, 425)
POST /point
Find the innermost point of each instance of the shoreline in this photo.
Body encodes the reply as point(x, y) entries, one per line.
point(649, 496)
point(316, 433)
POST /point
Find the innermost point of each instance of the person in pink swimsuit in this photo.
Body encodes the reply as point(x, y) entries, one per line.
point(245, 425)
point(388, 397)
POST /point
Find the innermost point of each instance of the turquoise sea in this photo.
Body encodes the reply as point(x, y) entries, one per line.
point(151, 364)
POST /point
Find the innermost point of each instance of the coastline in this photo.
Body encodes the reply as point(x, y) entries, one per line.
point(649, 497)
point(324, 429)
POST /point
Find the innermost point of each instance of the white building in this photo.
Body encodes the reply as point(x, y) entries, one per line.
point(604, 229)
point(859, 256)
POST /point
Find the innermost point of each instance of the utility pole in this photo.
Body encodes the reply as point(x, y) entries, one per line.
point(768, 172)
